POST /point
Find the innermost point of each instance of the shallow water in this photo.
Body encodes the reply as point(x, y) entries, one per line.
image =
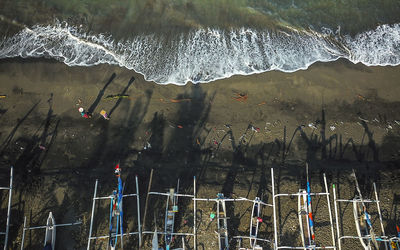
point(202, 40)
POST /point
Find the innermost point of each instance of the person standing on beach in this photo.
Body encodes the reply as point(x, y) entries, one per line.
point(84, 114)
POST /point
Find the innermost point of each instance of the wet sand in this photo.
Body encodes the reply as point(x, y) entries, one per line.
point(229, 133)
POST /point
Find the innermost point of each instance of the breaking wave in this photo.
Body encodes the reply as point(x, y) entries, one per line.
point(205, 55)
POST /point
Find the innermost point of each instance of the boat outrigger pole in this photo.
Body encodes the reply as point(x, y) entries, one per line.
point(365, 214)
point(8, 208)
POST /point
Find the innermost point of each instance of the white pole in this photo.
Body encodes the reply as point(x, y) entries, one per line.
point(194, 215)
point(380, 215)
point(330, 211)
point(9, 208)
point(336, 216)
point(138, 211)
point(23, 234)
point(274, 210)
point(91, 219)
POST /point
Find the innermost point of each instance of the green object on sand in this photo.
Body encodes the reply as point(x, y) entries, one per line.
point(116, 96)
point(212, 216)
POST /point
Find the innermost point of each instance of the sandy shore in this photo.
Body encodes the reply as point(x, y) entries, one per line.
point(229, 133)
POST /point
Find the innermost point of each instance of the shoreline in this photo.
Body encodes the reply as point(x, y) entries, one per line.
point(203, 130)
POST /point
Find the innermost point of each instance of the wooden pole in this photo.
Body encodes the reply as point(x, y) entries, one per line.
point(147, 201)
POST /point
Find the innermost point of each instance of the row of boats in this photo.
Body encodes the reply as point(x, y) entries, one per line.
point(366, 233)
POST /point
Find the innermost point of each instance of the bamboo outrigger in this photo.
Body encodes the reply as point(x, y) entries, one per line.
point(222, 219)
point(9, 189)
point(171, 210)
point(306, 221)
point(50, 234)
point(116, 214)
point(255, 221)
point(364, 227)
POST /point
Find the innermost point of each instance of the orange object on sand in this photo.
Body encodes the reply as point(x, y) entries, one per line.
point(180, 100)
point(240, 97)
point(261, 103)
point(197, 140)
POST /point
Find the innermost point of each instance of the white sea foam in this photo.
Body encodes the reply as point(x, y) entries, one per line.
point(206, 54)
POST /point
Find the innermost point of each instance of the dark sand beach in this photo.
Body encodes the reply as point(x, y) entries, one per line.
point(336, 116)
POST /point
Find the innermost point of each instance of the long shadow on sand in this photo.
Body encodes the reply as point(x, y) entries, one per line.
point(123, 93)
point(101, 94)
point(12, 133)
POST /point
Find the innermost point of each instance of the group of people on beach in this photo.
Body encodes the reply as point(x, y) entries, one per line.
point(88, 115)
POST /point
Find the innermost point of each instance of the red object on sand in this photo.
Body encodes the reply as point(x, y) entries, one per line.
point(259, 219)
point(180, 126)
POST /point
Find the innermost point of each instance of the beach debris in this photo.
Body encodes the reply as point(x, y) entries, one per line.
point(375, 120)
point(311, 125)
point(397, 122)
point(147, 146)
point(389, 126)
point(255, 129)
point(198, 141)
point(332, 128)
point(361, 97)
point(104, 114)
point(79, 103)
point(42, 147)
point(362, 119)
point(228, 126)
point(180, 126)
point(212, 216)
point(3, 96)
point(240, 97)
point(261, 103)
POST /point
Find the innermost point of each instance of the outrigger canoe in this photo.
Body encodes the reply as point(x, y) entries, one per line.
point(170, 210)
point(50, 236)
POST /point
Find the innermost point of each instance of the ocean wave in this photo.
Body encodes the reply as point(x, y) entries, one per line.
point(205, 55)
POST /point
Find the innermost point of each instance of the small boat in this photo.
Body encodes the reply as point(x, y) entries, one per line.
point(361, 218)
point(306, 220)
point(255, 221)
point(222, 223)
point(116, 214)
point(170, 210)
point(50, 236)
